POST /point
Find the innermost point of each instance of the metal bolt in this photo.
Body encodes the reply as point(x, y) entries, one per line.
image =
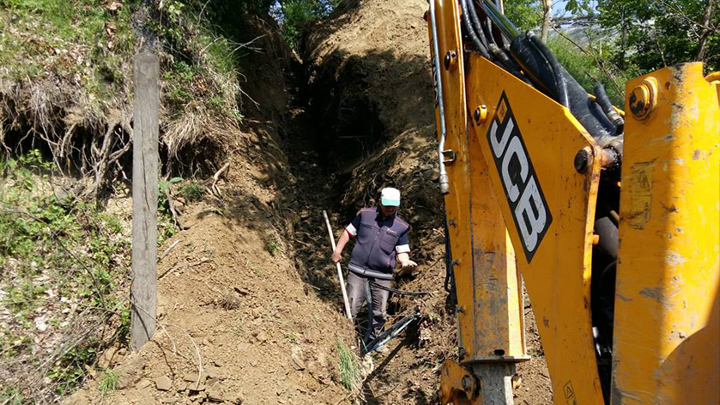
point(480, 114)
point(450, 59)
point(583, 160)
point(465, 382)
point(642, 98)
point(460, 309)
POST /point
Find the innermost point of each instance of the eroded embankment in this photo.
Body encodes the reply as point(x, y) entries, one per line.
point(236, 321)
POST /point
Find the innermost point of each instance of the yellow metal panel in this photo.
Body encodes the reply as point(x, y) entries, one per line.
point(555, 260)
point(667, 322)
point(497, 297)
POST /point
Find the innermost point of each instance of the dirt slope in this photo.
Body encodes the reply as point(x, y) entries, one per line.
point(237, 324)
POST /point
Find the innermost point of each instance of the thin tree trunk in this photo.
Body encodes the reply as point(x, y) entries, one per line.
point(706, 30)
point(547, 19)
point(623, 38)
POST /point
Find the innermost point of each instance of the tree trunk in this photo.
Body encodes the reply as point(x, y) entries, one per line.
point(706, 31)
point(623, 38)
point(547, 19)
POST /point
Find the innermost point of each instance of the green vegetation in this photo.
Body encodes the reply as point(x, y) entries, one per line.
point(349, 367)
point(12, 396)
point(296, 16)
point(86, 39)
point(192, 191)
point(61, 260)
point(108, 383)
point(271, 246)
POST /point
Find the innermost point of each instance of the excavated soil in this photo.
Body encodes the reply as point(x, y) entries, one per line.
point(249, 304)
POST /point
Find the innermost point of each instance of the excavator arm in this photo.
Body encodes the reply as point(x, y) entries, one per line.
point(618, 244)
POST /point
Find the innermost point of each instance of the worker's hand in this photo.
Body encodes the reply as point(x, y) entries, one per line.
point(408, 264)
point(336, 256)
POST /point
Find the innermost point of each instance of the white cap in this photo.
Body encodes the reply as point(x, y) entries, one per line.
point(390, 197)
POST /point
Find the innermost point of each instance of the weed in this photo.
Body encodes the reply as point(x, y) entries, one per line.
point(349, 368)
point(192, 191)
point(12, 396)
point(271, 246)
point(108, 383)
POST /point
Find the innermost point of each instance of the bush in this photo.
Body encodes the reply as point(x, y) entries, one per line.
point(65, 269)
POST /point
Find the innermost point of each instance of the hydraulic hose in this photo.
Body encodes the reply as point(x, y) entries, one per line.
point(604, 101)
point(498, 18)
point(560, 81)
point(482, 46)
point(444, 180)
point(477, 26)
point(543, 69)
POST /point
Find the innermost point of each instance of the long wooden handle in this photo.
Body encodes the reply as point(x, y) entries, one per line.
point(339, 267)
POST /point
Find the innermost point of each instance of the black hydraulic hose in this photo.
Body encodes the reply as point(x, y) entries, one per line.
point(482, 47)
point(508, 63)
point(560, 82)
point(400, 292)
point(540, 66)
point(478, 27)
point(604, 101)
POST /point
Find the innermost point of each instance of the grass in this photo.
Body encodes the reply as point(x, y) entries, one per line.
point(349, 367)
point(47, 35)
point(272, 246)
point(108, 382)
point(192, 191)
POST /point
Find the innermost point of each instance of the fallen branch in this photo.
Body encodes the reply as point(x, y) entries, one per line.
point(165, 253)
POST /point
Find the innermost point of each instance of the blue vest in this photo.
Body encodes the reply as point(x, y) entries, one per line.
point(374, 251)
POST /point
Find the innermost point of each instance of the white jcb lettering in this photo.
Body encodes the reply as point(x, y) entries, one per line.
point(515, 148)
point(498, 146)
point(530, 225)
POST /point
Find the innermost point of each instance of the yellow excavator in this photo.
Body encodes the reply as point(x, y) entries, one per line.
point(609, 217)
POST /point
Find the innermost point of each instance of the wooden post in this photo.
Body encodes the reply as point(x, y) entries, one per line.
point(143, 294)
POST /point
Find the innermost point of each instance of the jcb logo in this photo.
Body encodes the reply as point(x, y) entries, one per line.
point(522, 189)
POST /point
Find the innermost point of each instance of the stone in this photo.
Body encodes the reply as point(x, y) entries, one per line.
point(218, 363)
point(297, 358)
point(163, 383)
point(211, 371)
point(243, 346)
point(253, 363)
point(216, 393)
point(169, 401)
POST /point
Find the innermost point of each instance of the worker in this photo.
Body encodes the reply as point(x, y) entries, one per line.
point(380, 237)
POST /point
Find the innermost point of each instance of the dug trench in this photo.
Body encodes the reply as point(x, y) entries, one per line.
point(249, 305)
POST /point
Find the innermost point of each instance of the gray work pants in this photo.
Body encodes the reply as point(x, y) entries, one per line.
point(356, 295)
